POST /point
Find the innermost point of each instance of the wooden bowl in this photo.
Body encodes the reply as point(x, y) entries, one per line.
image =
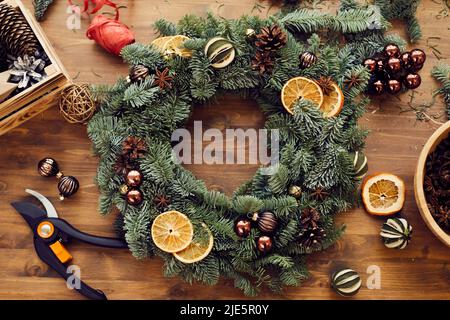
point(439, 135)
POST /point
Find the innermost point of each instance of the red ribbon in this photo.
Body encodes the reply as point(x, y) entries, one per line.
point(98, 6)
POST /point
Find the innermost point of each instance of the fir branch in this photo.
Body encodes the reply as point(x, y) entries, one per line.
point(40, 8)
point(441, 73)
point(146, 55)
point(165, 28)
point(141, 94)
point(306, 21)
point(404, 10)
point(247, 204)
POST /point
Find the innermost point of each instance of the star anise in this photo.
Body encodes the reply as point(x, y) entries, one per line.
point(437, 183)
point(320, 194)
point(309, 218)
point(428, 185)
point(162, 79)
point(354, 80)
point(262, 62)
point(134, 148)
point(161, 201)
point(326, 84)
point(444, 172)
point(442, 216)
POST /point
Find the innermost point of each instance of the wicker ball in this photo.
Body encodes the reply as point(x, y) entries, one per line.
point(76, 103)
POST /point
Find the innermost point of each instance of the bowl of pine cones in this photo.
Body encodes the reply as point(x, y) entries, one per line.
point(432, 183)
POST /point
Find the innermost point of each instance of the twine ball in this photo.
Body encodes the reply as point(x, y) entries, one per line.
point(77, 104)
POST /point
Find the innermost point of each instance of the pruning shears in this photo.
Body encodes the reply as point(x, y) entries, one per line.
point(51, 234)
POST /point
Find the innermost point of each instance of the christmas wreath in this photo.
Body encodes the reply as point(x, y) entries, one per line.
point(263, 233)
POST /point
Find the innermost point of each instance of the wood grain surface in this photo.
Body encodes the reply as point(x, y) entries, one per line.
point(421, 271)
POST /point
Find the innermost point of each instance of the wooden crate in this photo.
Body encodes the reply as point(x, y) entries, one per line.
point(38, 97)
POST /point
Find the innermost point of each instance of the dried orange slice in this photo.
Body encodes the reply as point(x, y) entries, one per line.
point(300, 88)
point(196, 251)
point(160, 43)
point(383, 194)
point(332, 102)
point(172, 231)
point(175, 46)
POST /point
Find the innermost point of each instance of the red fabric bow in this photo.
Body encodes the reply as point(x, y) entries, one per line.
point(98, 6)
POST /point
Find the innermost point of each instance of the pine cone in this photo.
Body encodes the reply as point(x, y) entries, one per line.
point(123, 165)
point(3, 63)
point(309, 218)
point(271, 38)
point(262, 62)
point(16, 34)
point(134, 148)
point(312, 238)
point(27, 71)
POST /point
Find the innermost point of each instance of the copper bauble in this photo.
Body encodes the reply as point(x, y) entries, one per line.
point(264, 244)
point(266, 221)
point(393, 65)
point(370, 64)
point(48, 167)
point(406, 60)
point(377, 87)
point(134, 178)
point(412, 81)
point(380, 66)
point(242, 227)
point(418, 58)
point(392, 50)
point(307, 59)
point(67, 186)
point(415, 68)
point(138, 73)
point(134, 197)
point(393, 86)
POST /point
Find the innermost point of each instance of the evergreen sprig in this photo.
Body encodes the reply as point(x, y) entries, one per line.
point(441, 73)
point(403, 10)
point(40, 8)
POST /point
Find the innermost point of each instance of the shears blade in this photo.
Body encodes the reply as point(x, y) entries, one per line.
point(30, 212)
point(51, 211)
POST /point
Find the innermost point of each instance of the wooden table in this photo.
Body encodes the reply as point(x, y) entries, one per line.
point(422, 271)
